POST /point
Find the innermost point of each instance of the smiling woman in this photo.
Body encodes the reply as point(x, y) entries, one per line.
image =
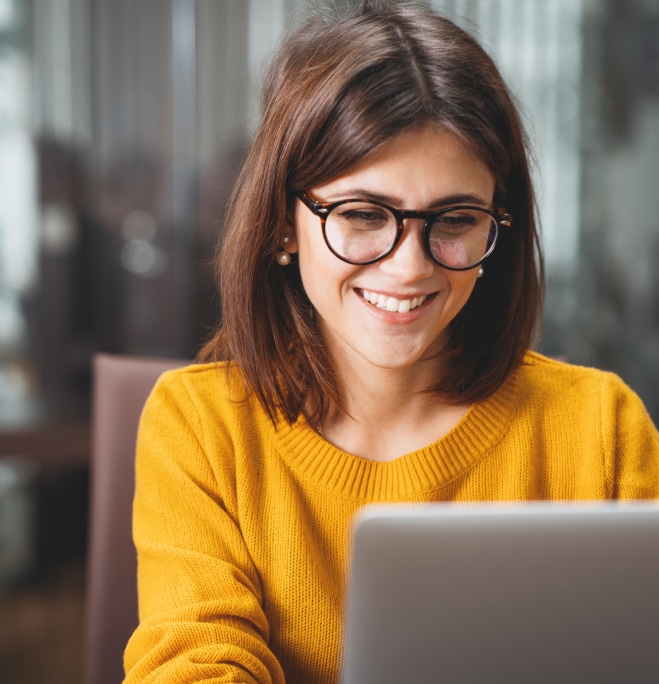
point(381, 286)
point(331, 104)
point(425, 167)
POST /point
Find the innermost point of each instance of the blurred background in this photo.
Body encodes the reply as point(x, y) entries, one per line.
point(122, 126)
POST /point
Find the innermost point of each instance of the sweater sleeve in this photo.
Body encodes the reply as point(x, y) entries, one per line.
point(200, 599)
point(628, 428)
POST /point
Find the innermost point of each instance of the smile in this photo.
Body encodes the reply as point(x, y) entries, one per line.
point(392, 304)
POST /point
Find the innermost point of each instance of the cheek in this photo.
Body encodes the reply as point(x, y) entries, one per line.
point(317, 264)
point(326, 279)
point(462, 285)
point(309, 257)
point(322, 274)
point(313, 271)
point(308, 239)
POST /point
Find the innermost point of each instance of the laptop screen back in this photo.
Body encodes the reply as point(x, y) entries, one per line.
point(504, 593)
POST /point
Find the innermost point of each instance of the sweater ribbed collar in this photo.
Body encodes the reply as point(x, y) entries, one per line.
point(408, 476)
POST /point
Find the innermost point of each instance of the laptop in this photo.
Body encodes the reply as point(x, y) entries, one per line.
point(515, 593)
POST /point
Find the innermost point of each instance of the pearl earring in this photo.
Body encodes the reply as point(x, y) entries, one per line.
point(283, 258)
point(481, 272)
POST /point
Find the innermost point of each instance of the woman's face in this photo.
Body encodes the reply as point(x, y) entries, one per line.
point(416, 299)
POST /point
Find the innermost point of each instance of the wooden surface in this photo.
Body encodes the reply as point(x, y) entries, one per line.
point(50, 431)
point(49, 444)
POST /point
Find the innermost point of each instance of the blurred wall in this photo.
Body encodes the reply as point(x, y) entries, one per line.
point(123, 123)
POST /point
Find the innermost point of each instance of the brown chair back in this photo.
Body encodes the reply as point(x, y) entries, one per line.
point(121, 385)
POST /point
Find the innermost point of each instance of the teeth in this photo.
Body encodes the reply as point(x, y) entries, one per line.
point(391, 303)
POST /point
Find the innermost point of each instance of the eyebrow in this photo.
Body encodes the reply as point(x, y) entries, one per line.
point(450, 200)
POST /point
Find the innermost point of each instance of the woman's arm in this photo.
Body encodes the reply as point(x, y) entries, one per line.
point(628, 432)
point(200, 599)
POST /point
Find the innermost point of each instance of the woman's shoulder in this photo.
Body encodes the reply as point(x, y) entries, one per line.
point(557, 369)
point(568, 382)
point(203, 387)
point(215, 375)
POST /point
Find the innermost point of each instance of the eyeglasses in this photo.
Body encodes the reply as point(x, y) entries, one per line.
point(362, 232)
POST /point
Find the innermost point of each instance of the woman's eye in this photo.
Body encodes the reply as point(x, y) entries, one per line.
point(365, 216)
point(453, 220)
point(455, 223)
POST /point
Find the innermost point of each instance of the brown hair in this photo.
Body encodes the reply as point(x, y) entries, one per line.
point(335, 92)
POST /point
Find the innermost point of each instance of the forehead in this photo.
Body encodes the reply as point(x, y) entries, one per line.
point(416, 167)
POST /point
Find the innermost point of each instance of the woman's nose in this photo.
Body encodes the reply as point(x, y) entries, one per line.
point(410, 261)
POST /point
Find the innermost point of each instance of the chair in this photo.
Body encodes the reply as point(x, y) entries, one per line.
point(121, 385)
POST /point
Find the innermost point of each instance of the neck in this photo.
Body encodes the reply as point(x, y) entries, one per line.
point(389, 412)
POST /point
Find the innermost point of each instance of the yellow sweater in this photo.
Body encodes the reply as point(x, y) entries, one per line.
point(242, 530)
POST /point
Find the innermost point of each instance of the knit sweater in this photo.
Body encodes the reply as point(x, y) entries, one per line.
point(243, 528)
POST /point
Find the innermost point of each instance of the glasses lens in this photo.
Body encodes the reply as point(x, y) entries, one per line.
point(460, 238)
point(359, 231)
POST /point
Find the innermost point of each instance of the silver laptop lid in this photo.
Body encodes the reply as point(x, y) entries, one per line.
point(504, 593)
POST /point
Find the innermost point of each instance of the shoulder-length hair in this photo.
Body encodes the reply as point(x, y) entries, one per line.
point(335, 92)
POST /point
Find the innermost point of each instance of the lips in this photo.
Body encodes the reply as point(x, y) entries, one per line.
point(387, 303)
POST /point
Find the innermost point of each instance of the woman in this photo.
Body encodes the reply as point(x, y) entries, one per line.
point(381, 285)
